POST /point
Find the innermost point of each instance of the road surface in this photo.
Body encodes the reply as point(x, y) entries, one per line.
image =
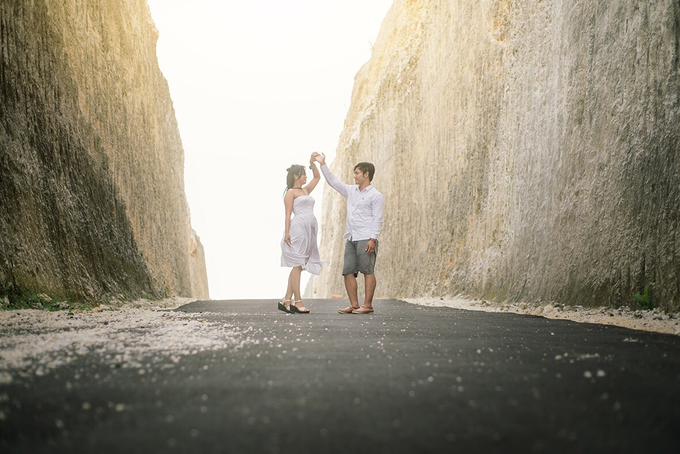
point(407, 379)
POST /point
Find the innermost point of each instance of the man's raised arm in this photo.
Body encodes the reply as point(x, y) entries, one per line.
point(331, 179)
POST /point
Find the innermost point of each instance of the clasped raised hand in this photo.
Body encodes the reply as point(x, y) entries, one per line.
point(319, 157)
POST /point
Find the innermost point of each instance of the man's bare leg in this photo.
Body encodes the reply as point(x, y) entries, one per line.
point(351, 287)
point(369, 284)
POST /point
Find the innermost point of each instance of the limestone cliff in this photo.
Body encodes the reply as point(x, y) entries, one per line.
point(91, 162)
point(526, 150)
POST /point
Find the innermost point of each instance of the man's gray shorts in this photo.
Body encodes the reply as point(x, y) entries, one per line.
point(356, 258)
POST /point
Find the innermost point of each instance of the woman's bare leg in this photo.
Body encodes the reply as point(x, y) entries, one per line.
point(292, 286)
point(294, 283)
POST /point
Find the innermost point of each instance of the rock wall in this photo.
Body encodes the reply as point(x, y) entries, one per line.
point(199, 273)
point(91, 162)
point(527, 150)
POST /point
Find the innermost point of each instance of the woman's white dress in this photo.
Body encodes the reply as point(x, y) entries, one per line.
point(303, 227)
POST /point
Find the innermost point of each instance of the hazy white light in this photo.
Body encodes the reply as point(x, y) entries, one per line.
point(256, 86)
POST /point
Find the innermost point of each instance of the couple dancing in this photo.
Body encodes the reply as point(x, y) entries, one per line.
point(299, 248)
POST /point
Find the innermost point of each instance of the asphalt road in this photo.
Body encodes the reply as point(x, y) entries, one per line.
point(407, 379)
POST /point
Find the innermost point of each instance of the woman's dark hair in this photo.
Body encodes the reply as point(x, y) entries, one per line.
point(292, 171)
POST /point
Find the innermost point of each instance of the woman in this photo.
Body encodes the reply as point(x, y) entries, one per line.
point(298, 246)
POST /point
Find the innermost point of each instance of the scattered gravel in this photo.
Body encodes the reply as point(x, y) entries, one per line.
point(650, 320)
point(35, 342)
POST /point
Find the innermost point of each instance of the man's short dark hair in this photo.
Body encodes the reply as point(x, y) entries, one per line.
point(366, 167)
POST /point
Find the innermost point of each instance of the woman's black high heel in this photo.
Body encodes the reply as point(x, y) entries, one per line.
point(284, 308)
point(298, 310)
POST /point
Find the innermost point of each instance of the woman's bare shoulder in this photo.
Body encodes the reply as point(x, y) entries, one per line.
point(295, 193)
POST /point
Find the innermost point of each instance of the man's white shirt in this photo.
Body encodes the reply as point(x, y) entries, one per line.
point(364, 208)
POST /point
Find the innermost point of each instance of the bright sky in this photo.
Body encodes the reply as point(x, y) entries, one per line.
point(257, 85)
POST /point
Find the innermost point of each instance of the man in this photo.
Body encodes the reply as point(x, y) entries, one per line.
point(364, 221)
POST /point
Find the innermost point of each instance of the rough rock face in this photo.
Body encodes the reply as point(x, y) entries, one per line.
point(91, 163)
point(199, 273)
point(526, 150)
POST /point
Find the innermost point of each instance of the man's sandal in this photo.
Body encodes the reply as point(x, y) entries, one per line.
point(347, 310)
point(298, 310)
point(363, 310)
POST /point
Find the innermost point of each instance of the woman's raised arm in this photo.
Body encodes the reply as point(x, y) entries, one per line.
point(309, 187)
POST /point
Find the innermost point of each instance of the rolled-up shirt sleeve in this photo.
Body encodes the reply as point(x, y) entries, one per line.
point(376, 223)
point(336, 184)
